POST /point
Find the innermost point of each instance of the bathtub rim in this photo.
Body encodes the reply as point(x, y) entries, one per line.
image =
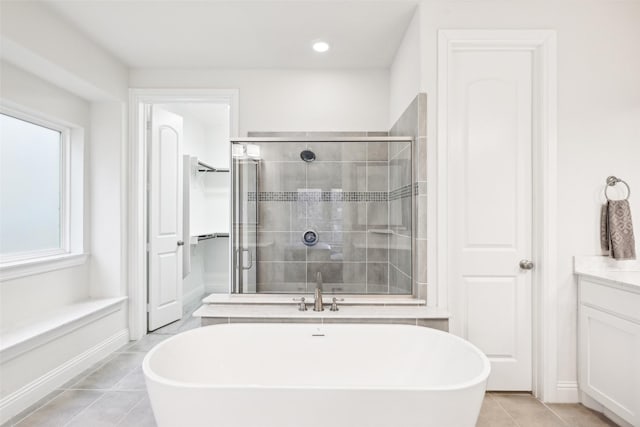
point(479, 379)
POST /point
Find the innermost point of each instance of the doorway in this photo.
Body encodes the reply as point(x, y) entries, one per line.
point(496, 200)
point(179, 202)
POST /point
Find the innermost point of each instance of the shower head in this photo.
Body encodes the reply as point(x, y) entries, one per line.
point(308, 156)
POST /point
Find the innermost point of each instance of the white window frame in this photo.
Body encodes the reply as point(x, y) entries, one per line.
point(71, 250)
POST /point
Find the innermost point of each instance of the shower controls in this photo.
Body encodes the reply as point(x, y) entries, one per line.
point(310, 238)
point(308, 156)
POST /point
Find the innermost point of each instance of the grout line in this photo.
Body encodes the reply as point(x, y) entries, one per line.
point(366, 221)
point(388, 219)
point(505, 411)
point(129, 411)
point(306, 223)
point(84, 409)
point(38, 408)
point(554, 413)
point(132, 406)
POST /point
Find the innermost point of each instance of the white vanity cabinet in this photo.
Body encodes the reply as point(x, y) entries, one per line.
point(609, 344)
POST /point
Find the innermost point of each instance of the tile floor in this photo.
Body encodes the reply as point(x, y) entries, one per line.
point(113, 393)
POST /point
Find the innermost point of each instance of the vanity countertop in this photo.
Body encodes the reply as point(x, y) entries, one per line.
point(622, 274)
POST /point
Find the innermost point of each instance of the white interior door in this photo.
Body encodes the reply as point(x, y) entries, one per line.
point(489, 132)
point(165, 218)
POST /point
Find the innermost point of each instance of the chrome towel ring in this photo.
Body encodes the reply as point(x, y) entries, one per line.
point(612, 181)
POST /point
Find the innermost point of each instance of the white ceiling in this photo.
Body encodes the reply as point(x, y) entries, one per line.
point(242, 34)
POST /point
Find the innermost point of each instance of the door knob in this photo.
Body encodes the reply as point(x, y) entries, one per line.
point(526, 264)
point(180, 243)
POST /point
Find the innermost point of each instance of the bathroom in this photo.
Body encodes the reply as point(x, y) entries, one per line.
point(74, 323)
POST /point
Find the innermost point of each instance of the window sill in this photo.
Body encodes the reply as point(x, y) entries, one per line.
point(20, 338)
point(14, 270)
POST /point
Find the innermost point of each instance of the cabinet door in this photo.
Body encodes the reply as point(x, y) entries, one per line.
point(609, 350)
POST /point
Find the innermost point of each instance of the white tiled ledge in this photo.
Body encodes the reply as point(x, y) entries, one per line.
point(620, 274)
point(34, 332)
point(291, 311)
point(281, 299)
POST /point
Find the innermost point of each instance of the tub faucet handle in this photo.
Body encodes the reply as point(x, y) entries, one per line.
point(334, 304)
point(302, 306)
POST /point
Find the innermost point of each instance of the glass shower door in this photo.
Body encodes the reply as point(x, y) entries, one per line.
point(245, 214)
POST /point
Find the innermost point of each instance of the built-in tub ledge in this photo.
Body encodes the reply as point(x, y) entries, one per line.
point(281, 299)
point(419, 315)
point(33, 332)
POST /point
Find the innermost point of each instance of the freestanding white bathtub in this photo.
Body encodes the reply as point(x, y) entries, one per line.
point(338, 375)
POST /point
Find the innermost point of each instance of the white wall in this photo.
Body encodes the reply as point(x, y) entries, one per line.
point(50, 68)
point(405, 72)
point(290, 100)
point(34, 373)
point(37, 40)
point(598, 117)
point(107, 201)
point(27, 296)
point(216, 269)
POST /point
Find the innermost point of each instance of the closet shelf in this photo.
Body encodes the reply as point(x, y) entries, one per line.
point(203, 167)
point(211, 236)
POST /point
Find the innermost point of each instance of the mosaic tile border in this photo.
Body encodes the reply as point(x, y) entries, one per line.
point(331, 196)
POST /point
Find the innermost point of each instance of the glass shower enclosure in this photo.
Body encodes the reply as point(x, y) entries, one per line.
point(339, 206)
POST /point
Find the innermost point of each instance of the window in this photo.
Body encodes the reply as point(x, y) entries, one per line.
point(32, 188)
point(36, 185)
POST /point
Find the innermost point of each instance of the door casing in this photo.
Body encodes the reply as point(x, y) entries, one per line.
point(542, 45)
point(136, 235)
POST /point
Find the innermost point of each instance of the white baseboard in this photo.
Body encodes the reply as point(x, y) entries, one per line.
point(567, 392)
point(26, 396)
point(193, 297)
point(593, 404)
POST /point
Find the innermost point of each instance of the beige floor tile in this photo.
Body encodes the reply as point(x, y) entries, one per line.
point(40, 403)
point(527, 411)
point(108, 410)
point(62, 409)
point(140, 416)
point(577, 415)
point(493, 415)
point(146, 343)
point(133, 381)
point(189, 323)
point(111, 373)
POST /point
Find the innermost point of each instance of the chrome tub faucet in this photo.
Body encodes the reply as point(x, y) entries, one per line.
point(317, 303)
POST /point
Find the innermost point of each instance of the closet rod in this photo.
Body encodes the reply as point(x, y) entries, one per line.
point(212, 236)
point(206, 168)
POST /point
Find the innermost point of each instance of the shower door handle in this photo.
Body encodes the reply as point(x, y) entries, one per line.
point(250, 259)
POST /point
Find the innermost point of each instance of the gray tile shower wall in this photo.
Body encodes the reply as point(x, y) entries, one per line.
point(412, 122)
point(344, 196)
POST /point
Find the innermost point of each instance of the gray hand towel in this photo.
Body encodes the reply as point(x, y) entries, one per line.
point(616, 230)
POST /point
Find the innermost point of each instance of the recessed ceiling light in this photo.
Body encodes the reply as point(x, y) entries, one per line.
point(320, 46)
